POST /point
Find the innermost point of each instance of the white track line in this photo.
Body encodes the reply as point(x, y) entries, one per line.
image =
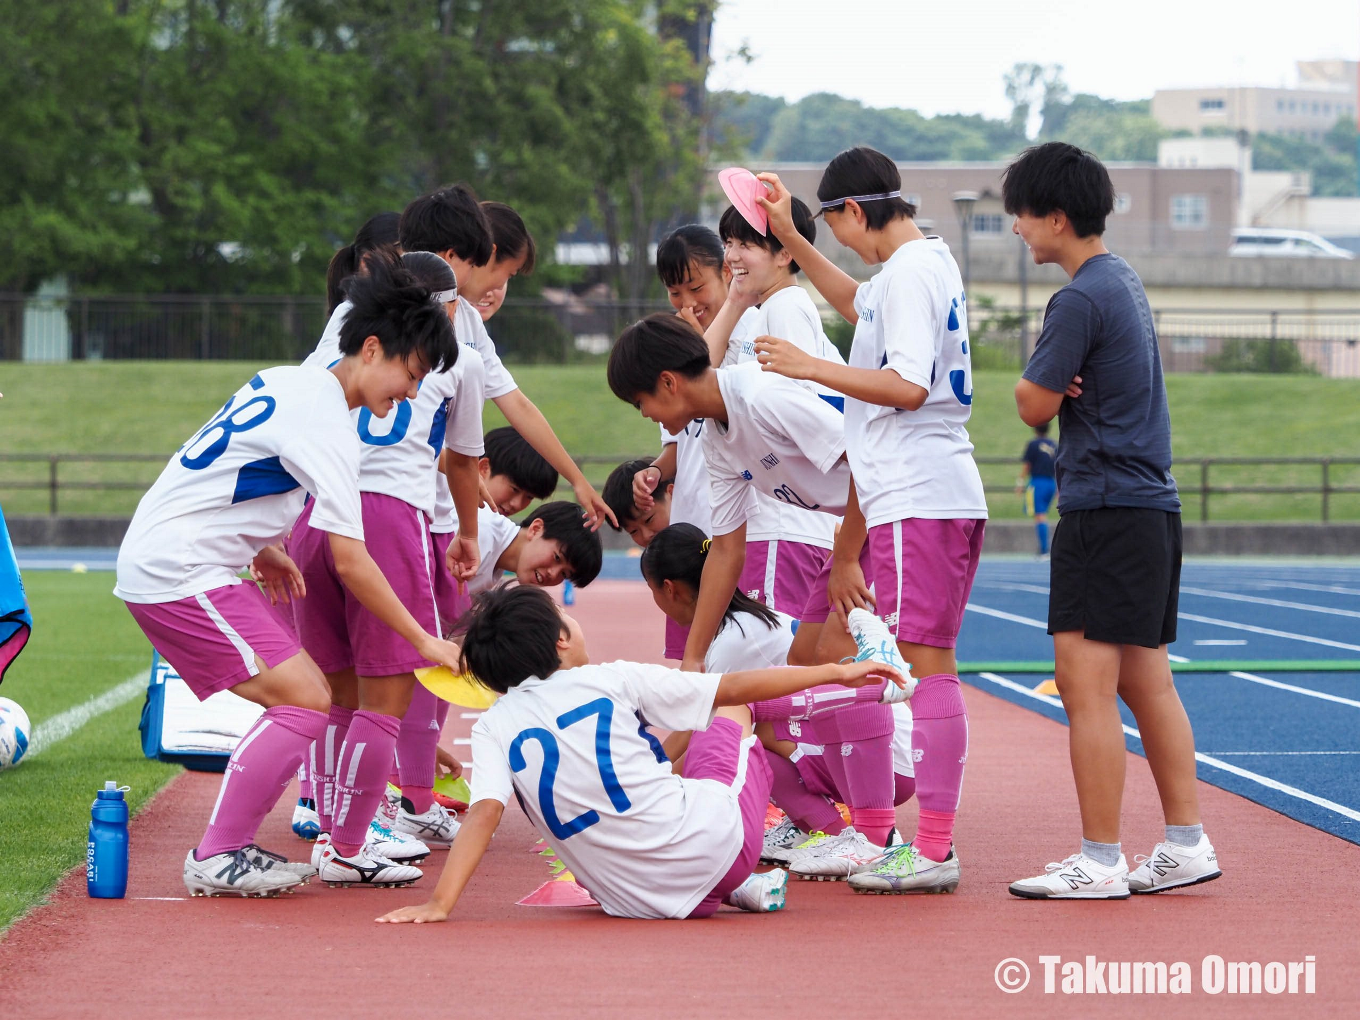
point(1334, 589)
point(1278, 603)
point(1029, 621)
point(1274, 754)
point(1322, 695)
point(63, 724)
point(1327, 642)
point(1218, 763)
point(1222, 641)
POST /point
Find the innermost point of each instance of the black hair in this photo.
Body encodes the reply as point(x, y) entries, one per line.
point(511, 236)
point(618, 490)
point(865, 171)
point(678, 553)
point(1057, 176)
point(378, 232)
point(1041, 429)
point(510, 454)
point(564, 523)
point(391, 304)
point(659, 343)
point(733, 227)
point(692, 244)
point(430, 271)
point(509, 635)
point(449, 218)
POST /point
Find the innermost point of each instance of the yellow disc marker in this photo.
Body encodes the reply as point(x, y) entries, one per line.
point(1047, 687)
point(455, 688)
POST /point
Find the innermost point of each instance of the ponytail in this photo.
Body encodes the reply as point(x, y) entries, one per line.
point(678, 553)
point(379, 231)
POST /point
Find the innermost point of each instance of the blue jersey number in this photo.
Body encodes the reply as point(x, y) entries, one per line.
point(401, 421)
point(603, 710)
point(229, 421)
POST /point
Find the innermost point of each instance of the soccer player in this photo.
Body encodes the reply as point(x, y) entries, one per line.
point(564, 740)
point(642, 525)
point(548, 547)
point(916, 504)
point(377, 234)
point(487, 244)
point(1037, 481)
point(1116, 562)
point(225, 500)
point(514, 474)
point(371, 674)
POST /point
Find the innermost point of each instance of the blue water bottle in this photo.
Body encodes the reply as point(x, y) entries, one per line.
point(106, 854)
point(568, 593)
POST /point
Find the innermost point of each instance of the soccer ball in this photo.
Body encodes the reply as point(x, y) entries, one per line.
point(14, 733)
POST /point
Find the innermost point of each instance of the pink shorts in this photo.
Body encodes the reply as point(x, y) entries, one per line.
point(213, 639)
point(451, 604)
point(923, 572)
point(716, 753)
point(777, 574)
point(334, 626)
point(817, 608)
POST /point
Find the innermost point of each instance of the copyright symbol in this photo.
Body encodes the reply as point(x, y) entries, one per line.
point(1012, 975)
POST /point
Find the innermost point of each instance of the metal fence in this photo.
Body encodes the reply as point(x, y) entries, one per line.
point(1238, 488)
point(570, 327)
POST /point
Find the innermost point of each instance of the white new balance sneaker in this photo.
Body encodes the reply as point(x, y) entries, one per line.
point(267, 861)
point(761, 893)
point(306, 822)
point(233, 874)
point(783, 836)
point(902, 869)
point(874, 641)
point(837, 858)
point(365, 868)
point(1077, 878)
point(435, 827)
point(1172, 866)
point(395, 846)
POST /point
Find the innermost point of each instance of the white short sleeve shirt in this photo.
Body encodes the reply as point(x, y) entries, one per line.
point(748, 642)
point(471, 332)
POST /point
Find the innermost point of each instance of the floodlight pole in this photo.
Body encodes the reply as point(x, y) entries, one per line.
point(964, 201)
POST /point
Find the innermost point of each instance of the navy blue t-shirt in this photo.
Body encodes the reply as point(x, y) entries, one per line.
point(1039, 456)
point(1116, 437)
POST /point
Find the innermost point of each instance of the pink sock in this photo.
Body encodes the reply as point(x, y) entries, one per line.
point(875, 823)
point(305, 776)
point(361, 777)
point(323, 757)
point(939, 736)
point(256, 775)
point(416, 743)
point(810, 811)
point(904, 788)
point(774, 710)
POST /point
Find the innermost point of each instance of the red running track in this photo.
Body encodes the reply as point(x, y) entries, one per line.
point(1289, 891)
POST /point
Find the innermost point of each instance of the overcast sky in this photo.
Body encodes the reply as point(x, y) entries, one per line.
point(948, 57)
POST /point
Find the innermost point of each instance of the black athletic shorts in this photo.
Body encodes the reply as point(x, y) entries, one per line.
point(1115, 573)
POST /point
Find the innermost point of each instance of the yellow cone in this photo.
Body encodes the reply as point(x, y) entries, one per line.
point(455, 688)
point(1047, 687)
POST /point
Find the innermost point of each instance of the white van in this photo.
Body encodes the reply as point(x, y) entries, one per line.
point(1281, 243)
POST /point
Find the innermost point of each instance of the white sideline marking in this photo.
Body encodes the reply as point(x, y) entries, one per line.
point(1267, 682)
point(1269, 632)
point(63, 724)
point(1335, 589)
point(1271, 754)
point(1029, 621)
point(1218, 763)
point(1257, 600)
point(1222, 641)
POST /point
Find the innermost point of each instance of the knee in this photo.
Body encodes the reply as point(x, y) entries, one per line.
point(315, 699)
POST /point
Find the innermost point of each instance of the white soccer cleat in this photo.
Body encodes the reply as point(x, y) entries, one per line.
point(783, 836)
point(233, 874)
point(902, 869)
point(435, 827)
point(1172, 866)
point(366, 868)
point(761, 893)
point(388, 807)
point(873, 641)
point(267, 861)
point(306, 822)
point(323, 840)
point(787, 855)
point(1077, 878)
point(837, 858)
point(395, 846)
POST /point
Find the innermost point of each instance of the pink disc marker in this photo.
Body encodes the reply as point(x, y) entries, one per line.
point(742, 189)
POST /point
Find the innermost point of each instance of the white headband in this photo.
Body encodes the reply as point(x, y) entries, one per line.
point(443, 297)
point(860, 198)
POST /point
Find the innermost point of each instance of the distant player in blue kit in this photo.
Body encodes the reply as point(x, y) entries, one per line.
point(1037, 481)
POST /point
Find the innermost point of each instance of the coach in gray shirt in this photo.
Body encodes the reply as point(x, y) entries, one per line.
point(1116, 557)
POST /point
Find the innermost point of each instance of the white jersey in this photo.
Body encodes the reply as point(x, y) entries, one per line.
point(400, 452)
point(645, 842)
point(239, 483)
point(462, 433)
point(904, 763)
point(471, 332)
point(779, 439)
point(912, 319)
point(748, 642)
point(495, 533)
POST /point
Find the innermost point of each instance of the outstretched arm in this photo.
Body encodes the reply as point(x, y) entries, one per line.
point(473, 838)
point(766, 684)
point(833, 283)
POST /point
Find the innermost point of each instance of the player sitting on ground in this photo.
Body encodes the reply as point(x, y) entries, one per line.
point(641, 524)
point(564, 740)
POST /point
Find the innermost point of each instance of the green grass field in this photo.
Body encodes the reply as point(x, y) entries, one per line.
point(152, 407)
point(84, 644)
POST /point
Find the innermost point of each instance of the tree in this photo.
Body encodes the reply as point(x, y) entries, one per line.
point(1029, 86)
point(1331, 164)
point(1115, 131)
